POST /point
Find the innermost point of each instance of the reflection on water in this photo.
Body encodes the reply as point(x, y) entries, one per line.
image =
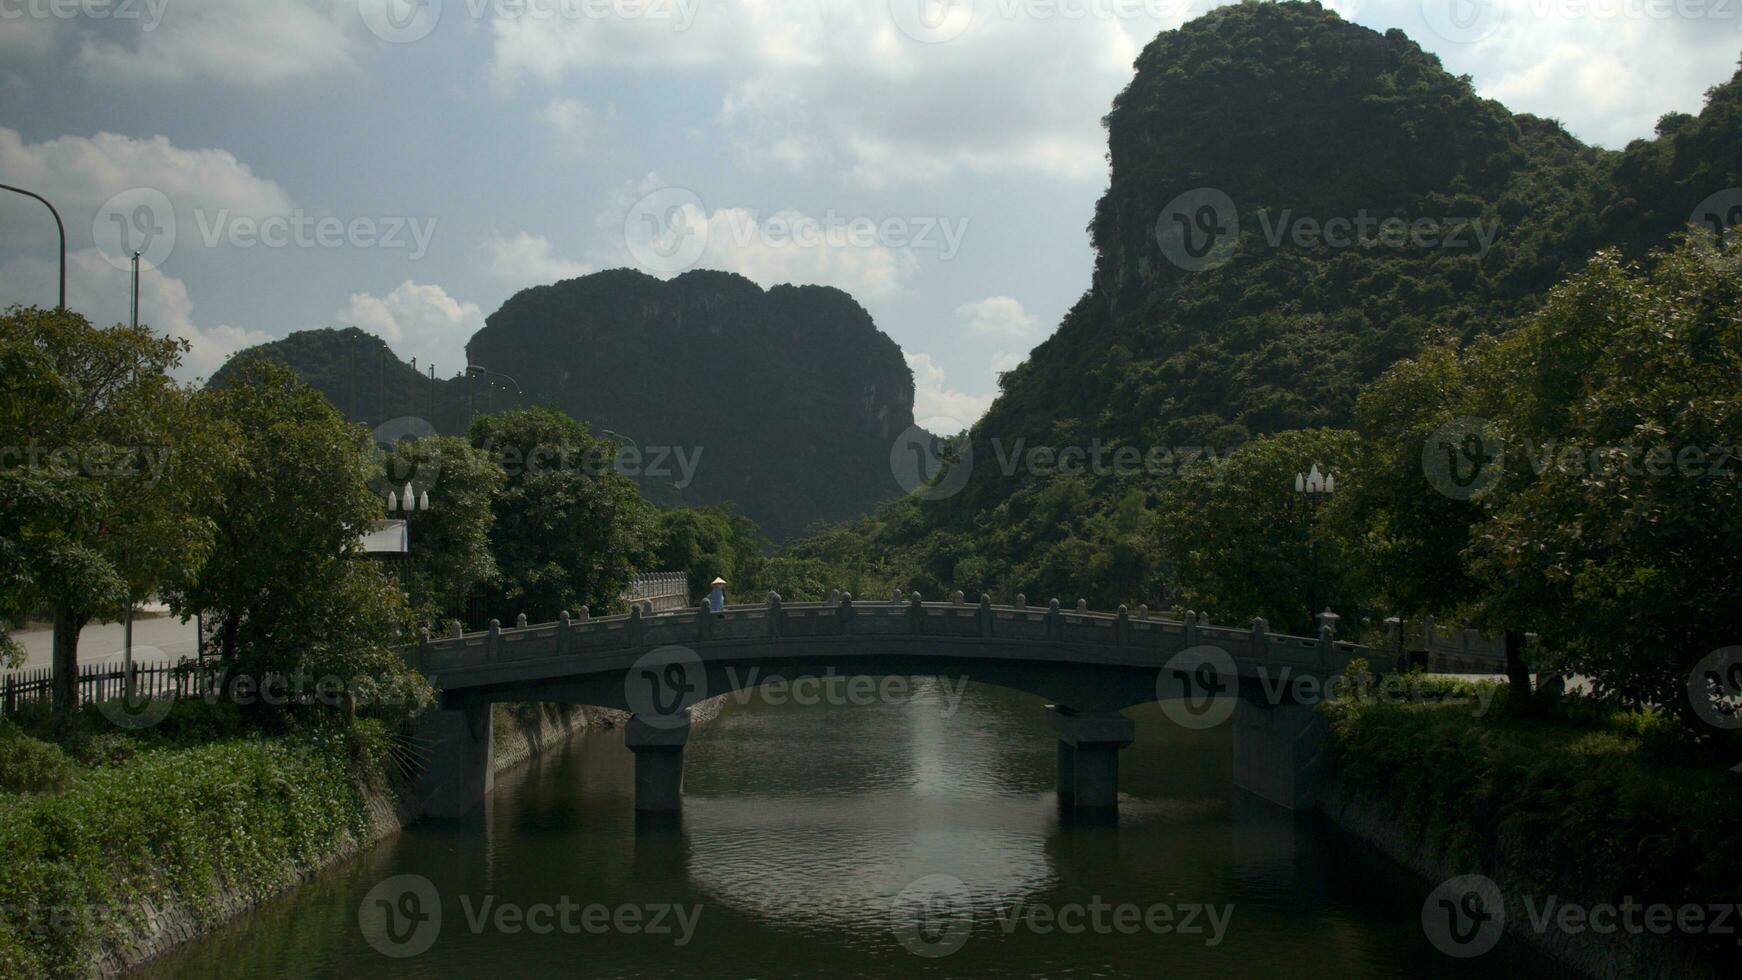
point(802, 825)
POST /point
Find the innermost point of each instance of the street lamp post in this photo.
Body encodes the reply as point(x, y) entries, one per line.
point(58, 227)
point(479, 371)
point(1313, 487)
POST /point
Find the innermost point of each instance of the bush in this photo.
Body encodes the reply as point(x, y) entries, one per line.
point(1580, 806)
point(28, 765)
point(244, 815)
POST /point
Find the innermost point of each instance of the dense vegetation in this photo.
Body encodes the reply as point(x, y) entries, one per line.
point(1585, 806)
point(1229, 379)
point(188, 819)
point(782, 403)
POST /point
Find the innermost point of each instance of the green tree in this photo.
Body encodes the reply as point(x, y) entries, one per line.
point(1243, 542)
point(105, 466)
point(1617, 528)
point(704, 542)
point(569, 530)
point(287, 583)
point(450, 542)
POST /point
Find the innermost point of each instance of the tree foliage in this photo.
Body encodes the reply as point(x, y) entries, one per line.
point(568, 530)
point(287, 582)
point(106, 463)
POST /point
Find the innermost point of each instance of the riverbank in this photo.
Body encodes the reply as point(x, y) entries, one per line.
point(1587, 814)
point(149, 840)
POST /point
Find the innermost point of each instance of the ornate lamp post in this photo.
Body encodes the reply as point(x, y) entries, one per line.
point(1314, 487)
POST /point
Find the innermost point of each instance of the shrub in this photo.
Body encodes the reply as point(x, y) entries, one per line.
point(28, 765)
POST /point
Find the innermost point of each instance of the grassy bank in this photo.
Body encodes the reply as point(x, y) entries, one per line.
point(1588, 805)
point(134, 839)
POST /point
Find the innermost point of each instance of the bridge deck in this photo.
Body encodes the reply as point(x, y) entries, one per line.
point(956, 629)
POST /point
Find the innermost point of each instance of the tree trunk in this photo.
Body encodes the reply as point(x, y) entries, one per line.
point(1521, 700)
point(64, 692)
point(227, 640)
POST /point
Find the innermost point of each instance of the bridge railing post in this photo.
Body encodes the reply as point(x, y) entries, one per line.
point(844, 613)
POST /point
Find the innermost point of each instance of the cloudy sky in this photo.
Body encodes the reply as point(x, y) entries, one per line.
point(407, 165)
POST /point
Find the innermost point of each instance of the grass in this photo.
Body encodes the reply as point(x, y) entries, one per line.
point(183, 817)
point(1591, 804)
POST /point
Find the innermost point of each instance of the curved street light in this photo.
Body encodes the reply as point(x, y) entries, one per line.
point(62, 228)
point(479, 371)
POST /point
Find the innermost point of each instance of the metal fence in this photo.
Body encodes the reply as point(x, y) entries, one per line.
point(104, 682)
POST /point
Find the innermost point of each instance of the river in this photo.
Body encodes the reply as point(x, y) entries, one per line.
point(917, 836)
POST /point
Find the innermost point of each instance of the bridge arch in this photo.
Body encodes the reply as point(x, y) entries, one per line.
point(1089, 666)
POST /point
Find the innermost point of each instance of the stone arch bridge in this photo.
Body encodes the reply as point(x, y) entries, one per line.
point(1089, 666)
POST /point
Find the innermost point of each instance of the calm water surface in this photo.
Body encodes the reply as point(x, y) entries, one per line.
point(803, 824)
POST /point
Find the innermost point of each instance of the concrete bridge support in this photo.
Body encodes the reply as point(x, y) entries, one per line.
point(1088, 757)
point(1279, 751)
point(461, 770)
point(658, 743)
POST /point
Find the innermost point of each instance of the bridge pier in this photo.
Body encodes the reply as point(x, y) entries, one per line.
point(1279, 751)
point(462, 761)
point(1088, 757)
point(658, 742)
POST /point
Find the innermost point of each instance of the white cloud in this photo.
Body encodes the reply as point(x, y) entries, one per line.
point(1005, 360)
point(528, 260)
point(577, 127)
point(790, 246)
point(103, 294)
point(84, 172)
point(245, 42)
point(241, 42)
point(937, 407)
point(417, 320)
point(836, 83)
point(998, 316)
point(1608, 80)
point(769, 248)
point(21, 38)
point(80, 174)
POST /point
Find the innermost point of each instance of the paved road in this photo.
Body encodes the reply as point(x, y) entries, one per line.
point(155, 638)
